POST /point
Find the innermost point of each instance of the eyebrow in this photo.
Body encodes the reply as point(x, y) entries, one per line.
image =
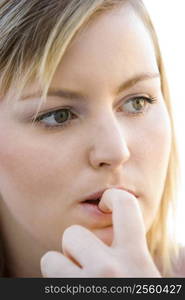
point(136, 79)
point(70, 95)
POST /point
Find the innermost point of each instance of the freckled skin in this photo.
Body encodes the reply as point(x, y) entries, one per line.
point(43, 174)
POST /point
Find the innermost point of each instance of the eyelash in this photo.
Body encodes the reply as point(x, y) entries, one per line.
point(50, 113)
point(148, 100)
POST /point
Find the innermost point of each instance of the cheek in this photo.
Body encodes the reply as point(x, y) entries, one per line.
point(159, 145)
point(154, 141)
point(34, 169)
point(34, 183)
point(155, 148)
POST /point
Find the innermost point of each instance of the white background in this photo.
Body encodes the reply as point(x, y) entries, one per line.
point(168, 17)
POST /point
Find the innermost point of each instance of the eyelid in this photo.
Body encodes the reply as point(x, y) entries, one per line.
point(50, 110)
point(135, 95)
point(124, 99)
point(149, 100)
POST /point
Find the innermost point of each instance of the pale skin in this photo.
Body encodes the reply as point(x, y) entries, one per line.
point(44, 174)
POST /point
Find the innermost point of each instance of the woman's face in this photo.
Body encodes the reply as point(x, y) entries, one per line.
point(108, 133)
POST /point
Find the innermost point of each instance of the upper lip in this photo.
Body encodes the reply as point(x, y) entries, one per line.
point(98, 194)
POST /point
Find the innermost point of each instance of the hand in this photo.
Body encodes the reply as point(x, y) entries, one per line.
point(84, 255)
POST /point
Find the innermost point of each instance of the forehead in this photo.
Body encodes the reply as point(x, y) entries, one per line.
point(114, 45)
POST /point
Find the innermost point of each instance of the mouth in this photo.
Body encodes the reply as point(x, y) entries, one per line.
point(91, 207)
point(92, 202)
point(95, 198)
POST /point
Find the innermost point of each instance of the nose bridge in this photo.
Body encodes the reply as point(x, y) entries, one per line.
point(109, 129)
point(109, 144)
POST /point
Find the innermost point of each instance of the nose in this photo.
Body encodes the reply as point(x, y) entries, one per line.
point(109, 146)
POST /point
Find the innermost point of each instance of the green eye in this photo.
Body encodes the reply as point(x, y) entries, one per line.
point(137, 104)
point(60, 117)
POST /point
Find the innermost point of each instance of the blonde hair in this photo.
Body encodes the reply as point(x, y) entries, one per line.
point(34, 37)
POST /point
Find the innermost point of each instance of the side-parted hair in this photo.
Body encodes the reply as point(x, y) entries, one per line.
point(34, 35)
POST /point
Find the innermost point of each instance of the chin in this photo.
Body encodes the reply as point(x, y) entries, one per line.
point(105, 235)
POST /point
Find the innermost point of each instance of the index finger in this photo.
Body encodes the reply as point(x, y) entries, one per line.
point(128, 225)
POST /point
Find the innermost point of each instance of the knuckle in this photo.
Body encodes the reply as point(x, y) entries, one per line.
point(48, 259)
point(71, 230)
point(49, 256)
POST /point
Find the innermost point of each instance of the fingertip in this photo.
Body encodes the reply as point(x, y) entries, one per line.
point(105, 203)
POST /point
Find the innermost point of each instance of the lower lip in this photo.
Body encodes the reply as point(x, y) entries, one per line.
point(95, 215)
